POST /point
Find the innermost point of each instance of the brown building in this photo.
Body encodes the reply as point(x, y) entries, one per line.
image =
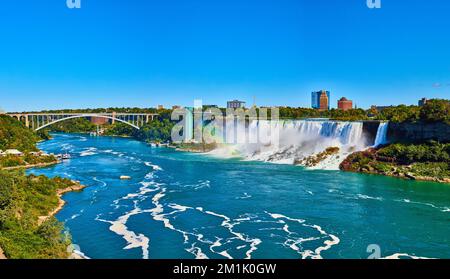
point(344, 104)
point(99, 120)
point(323, 101)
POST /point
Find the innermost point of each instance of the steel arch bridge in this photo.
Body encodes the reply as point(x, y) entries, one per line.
point(38, 121)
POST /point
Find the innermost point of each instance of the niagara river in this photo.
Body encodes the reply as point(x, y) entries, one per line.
point(183, 205)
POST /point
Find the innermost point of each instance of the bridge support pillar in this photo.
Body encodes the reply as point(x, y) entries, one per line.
point(27, 122)
point(113, 120)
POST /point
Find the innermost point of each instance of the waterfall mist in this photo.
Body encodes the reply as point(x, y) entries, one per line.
point(317, 144)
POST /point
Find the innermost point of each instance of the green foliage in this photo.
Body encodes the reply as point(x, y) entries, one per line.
point(75, 125)
point(411, 153)
point(400, 113)
point(119, 129)
point(157, 130)
point(429, 161)
point(22, 200)
point(438, 170)
point(14, 135)
point(27, 159)
point(436, 111)
point(335, 114)
point(348, 115)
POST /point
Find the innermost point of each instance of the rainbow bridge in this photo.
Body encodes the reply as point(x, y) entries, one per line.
point(38, 121)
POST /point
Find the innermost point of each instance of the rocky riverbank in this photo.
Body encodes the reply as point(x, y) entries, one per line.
point(375, 161)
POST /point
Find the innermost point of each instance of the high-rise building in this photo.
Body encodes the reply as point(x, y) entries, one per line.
point(344, 104)
point(235, 104)
point(324, 101)
point(320, 100)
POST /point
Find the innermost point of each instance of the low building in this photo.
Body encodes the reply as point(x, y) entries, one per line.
point(345, 104)
point(235, 104)
point(176, 107)
point(160, 107)
point(423, 102)
point(13, 152)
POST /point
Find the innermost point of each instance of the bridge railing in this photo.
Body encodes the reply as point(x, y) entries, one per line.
point(37, 121)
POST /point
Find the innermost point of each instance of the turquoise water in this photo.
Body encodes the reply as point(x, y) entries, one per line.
point(183, 205)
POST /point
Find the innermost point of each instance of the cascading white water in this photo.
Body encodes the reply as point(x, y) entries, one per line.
point(381, 137)
point(294, 141)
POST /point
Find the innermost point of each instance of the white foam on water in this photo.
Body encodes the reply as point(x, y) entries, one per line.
point(366, 197)
point(398, 256)
point(254, 242)
point(74, 216)
point(99, 181)
point(197, 252)
point(199, 185)
point(155, 167)
point(133, 240)
point(293, 243)
point(443, 209)
point(81, 254)
point(244, 196)
point(88, 152)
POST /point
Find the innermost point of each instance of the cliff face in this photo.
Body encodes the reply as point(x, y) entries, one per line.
point(370, 129)
point(418, 132)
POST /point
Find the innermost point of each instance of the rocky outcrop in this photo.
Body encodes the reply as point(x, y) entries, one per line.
point(314, 160)
point(418, 132)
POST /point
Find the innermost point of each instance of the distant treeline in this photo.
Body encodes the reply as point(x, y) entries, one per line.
point(159, 130)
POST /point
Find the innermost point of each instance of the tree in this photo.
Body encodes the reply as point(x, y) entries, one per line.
point(436, 111)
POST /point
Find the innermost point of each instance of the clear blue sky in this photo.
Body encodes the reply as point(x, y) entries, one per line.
point(148, 52)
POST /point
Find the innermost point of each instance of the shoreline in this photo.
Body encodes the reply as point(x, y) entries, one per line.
point(404, 176)
point(61, 203)
point(60, 193)
point(40, 165)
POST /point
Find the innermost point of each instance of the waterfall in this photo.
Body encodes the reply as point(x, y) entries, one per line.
point(297, 142)
point(381, 137)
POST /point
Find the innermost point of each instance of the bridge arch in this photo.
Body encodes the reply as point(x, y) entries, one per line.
point(87, 115)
